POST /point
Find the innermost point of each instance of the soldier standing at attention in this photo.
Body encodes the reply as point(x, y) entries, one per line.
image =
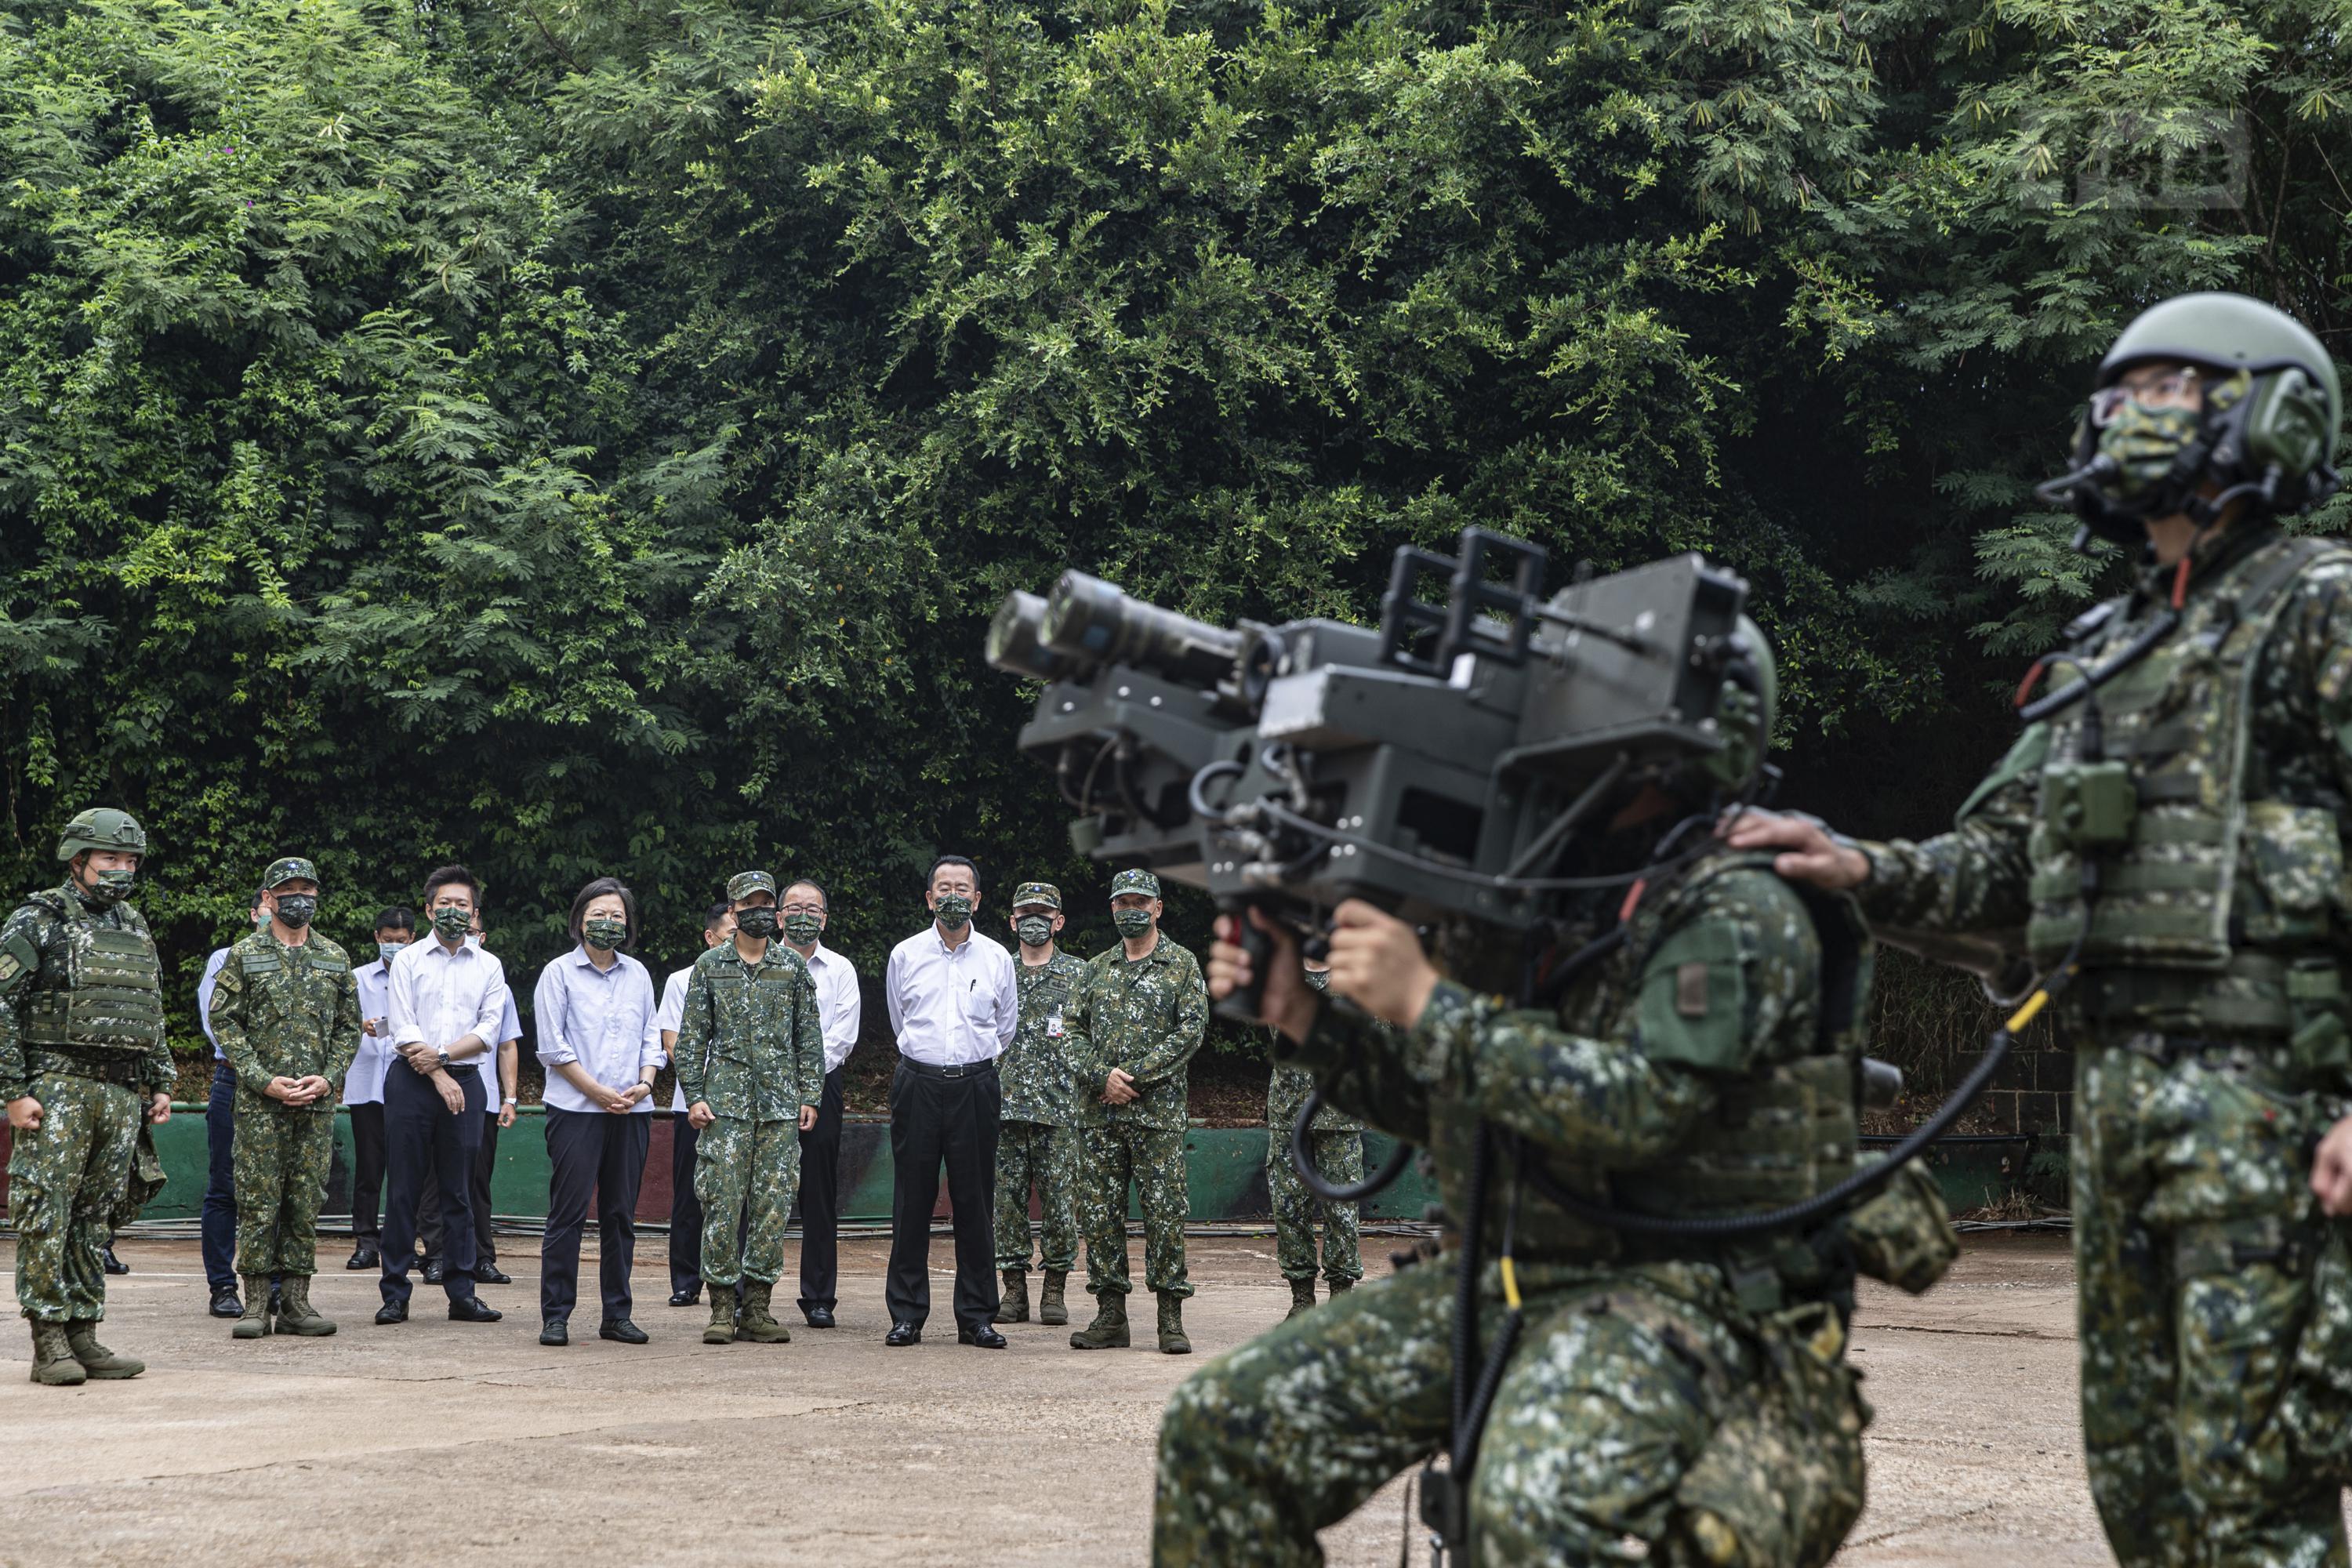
point(285, 1012)
point(82, 1063)
point(1148, 1011)
point(1336, 1143)
point(751, 1062)
point(1034, 1138)
point(2165, 845)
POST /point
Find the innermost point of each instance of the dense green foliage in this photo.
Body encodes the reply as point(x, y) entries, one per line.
point(591, 438)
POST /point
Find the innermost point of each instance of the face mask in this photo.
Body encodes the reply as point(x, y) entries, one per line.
point(2144, 444)
point(294, 910)
point(111, 886)
point(604, 933)
point(953, 911)
point(759, 924)
point(451, 923)
point(1133, 923)
point(802, 930)
point(1034, 930)
point(1319, 979)
point(388, 951)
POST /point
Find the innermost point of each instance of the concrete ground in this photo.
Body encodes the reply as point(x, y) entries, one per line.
point(440, 1442)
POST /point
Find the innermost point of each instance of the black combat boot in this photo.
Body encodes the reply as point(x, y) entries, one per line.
point(1302, 1298)
point(1108, 1331)
point(1051, 1308)
point(1013, 1305)
point(1171, 1323)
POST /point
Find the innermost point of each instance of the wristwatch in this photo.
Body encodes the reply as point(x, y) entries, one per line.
point(444, 1054)
point(512, 1101)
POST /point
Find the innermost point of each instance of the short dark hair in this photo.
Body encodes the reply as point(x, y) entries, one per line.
point(933, 874)
point(717, 913)
point(597, 890)
point(453, 876)
point(396, 916)
point(821, 893)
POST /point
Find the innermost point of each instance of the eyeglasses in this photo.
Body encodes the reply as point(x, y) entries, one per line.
point(2168, 389)
point(803, 908)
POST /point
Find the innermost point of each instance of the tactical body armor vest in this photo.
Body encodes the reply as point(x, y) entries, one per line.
point(112, 1000)
point(2211, 911)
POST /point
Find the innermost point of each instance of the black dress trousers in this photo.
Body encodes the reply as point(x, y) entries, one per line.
point(821, 1200)
point(943, 1117)
point(599, 1153)
point(420, 1134)
point(367, 1166)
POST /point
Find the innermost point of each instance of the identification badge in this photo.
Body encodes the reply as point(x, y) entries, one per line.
point(1053, 1025)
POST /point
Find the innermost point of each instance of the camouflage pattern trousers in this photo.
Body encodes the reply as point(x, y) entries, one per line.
point(1641, 1418)
point(278, 1163)
point(1027, 1154)
point(1339, 1158)
point(2215, 1314)
point(1153, 1161)
point(64, 1180)
point(751, 1169)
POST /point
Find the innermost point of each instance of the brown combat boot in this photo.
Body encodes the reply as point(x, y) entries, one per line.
point(1108, 1331)
point(53, 1359)
point(254, 1324)
point(295, 1314)
point(753, 1322)
point(1302, 1298)
point(1051, 1308)
point(721, 1330)
point(103, 1364)
point(1171, 1325)
point(1013, 1307)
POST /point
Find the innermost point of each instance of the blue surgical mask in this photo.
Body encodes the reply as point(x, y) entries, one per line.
point(385, 950)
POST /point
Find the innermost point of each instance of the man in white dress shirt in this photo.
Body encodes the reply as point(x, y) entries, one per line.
point(446, 998)
point(954, 1007)
point(395, 928)
point(685, 1208)
point(805, 909)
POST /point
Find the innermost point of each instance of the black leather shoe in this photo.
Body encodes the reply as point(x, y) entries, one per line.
point(684, 1297)
point(111, 1264)
point(389, 1313)
point(554, 1332)
point(225, 1304)
point(621, 1329)
point(903, 1334)
point(986, 1338)
point(434, 1272)
point(818, 1317)
point(473, 1310)
point(492, 1276)
point(365, 1255)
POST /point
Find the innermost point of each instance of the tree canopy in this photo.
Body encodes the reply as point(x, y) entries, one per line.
point(591, 439)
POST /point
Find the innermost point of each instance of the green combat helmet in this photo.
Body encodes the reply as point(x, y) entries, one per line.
point(102, 829)
point(2266, 434)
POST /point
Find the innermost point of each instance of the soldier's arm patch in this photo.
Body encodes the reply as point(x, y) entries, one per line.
point(1690, 989)
point(1693, 1000)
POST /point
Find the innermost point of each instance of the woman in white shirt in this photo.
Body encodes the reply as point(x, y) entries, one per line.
point(600, 1040)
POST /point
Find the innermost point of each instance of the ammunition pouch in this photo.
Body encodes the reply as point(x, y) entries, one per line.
point(1904, 1236)
point(2089, 805)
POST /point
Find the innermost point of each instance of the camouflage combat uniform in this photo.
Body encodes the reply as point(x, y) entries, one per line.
point(283, 1012)
point(1036, 1143)
point(81, 1030)
point(1146, 1017)
point(1336, 1142)
point(1666, 1401)
point(2209, 1015)
point(750, 1045)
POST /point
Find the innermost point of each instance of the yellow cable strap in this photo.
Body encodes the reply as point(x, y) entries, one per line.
point(1510, 1283)
point(2025, 1015)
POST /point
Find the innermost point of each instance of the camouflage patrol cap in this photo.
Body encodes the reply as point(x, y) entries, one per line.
point(287, 869)
point(743, 884)
point(1135, 879)
point(102, 829)
point(1044, 893)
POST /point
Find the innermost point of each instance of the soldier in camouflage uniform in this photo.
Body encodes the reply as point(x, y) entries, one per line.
point(1034, 1143)
point(285, 1012)
point(83, 1068)
point(1147, 1012)
point(1336, 1143)
point(751, 1062)
point(2168, 848)
point(1664, 1399)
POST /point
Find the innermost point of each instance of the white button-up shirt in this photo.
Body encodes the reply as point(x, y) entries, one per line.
point(603, 1019)
point(667, 1021)
point(839, 1008)
point(951, 1005)
point(364, 1084)
point(439, 997)
point(204, 998)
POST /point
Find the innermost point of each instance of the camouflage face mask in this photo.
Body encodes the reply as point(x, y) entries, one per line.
point(758, 922)
point(1133, 924)
point(452, 924)
point(112, 887)
point(953, 911)
point(1034, 930)
point(605, 932)
point(800, 929)
point(294, 910)
point(2144, 443)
